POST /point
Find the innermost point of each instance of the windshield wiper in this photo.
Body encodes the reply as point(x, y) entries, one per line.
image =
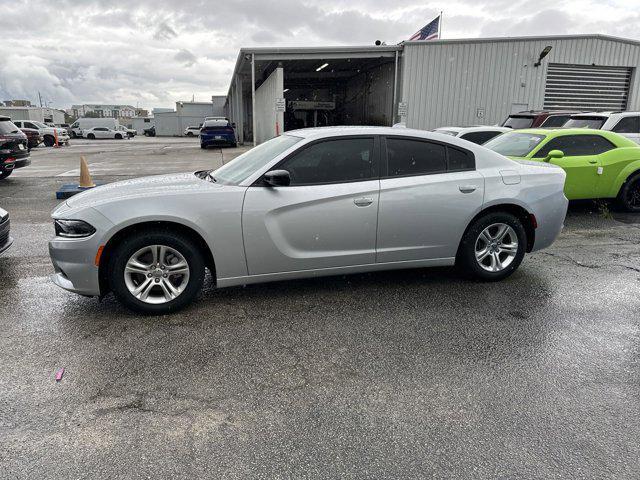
point(210, 177)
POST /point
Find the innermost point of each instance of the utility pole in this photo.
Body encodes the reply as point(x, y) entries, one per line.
point(40, 98)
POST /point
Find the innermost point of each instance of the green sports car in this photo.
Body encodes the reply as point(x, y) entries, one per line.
point(599, 164)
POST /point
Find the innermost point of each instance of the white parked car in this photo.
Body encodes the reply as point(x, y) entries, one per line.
point(191, 131)
point(103, 132)
point(624, 123)
point(129, 132)
point(48, 133)
point(478, 134)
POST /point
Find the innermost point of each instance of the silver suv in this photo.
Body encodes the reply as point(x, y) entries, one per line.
point(624, 123)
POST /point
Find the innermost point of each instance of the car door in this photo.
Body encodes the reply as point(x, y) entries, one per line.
point(428, 192)
point(629, 127)
point(326, 217)
point(581, 162)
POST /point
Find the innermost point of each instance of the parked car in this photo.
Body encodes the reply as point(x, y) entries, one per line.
point(217, 132)
point(150, 132)
point(477, 134)
point(87, 123)
point(102, 133)
point(5, 232)
point(48, 133)
point(14, 149)
point(33, 137)
point(538, 118)
point(624, 123)
point(215, 118)
point(129, 132)
point(599, 164)
point(308, 203)
point(191, 131)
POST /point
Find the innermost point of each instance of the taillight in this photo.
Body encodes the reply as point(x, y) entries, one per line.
point(10, 160)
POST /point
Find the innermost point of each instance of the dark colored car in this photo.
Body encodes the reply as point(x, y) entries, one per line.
point(538, 119)
point(5, 238)
point(150, 132)
point(14, 150)
point(33, 137)
point(217, 132)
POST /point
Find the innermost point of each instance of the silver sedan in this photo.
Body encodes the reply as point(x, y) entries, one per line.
point(307, 203)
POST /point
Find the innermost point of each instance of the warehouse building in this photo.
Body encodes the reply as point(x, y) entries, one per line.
point(40, 114)
point(429, 84)
point(174, 122)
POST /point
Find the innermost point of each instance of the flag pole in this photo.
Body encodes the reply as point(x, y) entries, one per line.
point(440, 27)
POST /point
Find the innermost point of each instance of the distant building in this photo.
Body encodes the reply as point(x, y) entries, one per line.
point(17, 103)
point(40, 114)
point(102, 110)
point(173, 122)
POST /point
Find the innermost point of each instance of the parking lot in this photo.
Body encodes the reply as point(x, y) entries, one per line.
point(407, 374)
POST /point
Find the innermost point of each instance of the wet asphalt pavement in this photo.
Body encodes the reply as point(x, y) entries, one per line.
point(408, 374)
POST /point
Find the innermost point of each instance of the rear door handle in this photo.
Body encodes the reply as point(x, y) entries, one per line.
point(363, 201)
point(467, 188)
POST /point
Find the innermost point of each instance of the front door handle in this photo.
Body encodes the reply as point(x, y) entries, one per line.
point(467, 188)
point(593, 161)
point(363, 201)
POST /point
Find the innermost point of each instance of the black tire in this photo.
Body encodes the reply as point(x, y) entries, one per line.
point(118, 136)
point(466, 259)
point(49, 141)
point(91, 136)
point(73, 134)
point(181, 243)
point(629, 196)
point(5, 174)
point(203, 146)
point(189, 134)
point(234, 145)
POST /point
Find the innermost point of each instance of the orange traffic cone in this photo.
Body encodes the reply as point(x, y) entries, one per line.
point(55, 136)
point(85, 177)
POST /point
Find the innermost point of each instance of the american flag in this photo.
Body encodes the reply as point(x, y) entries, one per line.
point(428, 32)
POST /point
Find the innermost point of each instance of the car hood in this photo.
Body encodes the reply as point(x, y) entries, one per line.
point(160, 186)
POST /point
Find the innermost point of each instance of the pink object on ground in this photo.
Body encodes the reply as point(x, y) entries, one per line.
point(59, 374)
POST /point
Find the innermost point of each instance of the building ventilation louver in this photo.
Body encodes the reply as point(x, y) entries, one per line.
point(586, 87)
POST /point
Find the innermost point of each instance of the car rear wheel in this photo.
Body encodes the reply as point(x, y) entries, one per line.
point(189, 134)
point(493, 247)
point(91, 136)
point(73, 134)
point(5, 174)
point(118, 136)
point(49, 141)
point(156, 272)
point(629, 197)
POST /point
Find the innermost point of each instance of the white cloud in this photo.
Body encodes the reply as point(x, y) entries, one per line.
point(155, 52)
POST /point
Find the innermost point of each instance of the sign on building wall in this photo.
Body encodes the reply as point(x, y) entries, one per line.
point(402, 109)
point(281, 105)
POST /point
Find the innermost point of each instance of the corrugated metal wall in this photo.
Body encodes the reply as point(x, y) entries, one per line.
point(266, 115)
point(476, 82)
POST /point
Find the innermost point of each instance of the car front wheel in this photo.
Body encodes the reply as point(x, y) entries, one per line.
point(629, 197)
point(156, 272)
point(493, 247)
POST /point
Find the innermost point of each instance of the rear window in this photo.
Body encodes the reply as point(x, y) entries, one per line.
point(216, 123)
point(553, 121)
point(514, 144)
point(518, 121)
point(7, 126)
point(585, 122)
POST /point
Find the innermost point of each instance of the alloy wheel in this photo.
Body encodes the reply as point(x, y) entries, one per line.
point(496, 247)
point(156, 274)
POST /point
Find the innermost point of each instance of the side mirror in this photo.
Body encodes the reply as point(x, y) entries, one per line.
point(277, 178)
point(554, 154)
point(233, 124)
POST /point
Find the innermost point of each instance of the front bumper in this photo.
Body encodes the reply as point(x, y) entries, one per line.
point(74, 265)
point(222, 140)
point(5, 238)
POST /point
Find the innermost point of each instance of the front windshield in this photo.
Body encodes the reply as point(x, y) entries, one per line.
point(514, 144)
point(240, 168)
point(585, 122)
point(40, 124)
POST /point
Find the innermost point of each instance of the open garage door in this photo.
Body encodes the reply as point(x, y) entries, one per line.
point(586, 87)
point(269, 122)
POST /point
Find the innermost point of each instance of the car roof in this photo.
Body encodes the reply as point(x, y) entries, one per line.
point(616, 138)
point(475, 128)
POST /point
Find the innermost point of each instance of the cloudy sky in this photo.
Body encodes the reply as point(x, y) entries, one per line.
point(153, 52)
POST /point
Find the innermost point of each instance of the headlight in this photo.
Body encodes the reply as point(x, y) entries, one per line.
point(73, 228)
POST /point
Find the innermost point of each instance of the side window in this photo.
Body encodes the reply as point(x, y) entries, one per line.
point(332, 161)
point(28, 125)
point(627, 125)
point(577, 145)
point(479, 137)
point(414, 157)
point(460, 160)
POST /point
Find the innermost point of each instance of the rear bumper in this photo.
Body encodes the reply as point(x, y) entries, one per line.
point(550, 218)
point(23, 162)
point(224, 139)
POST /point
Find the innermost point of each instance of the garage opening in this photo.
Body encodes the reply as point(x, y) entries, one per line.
point(329, 86)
